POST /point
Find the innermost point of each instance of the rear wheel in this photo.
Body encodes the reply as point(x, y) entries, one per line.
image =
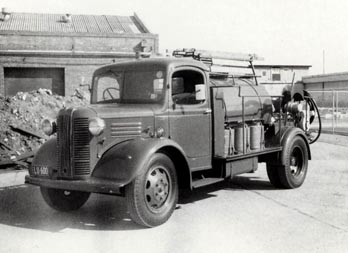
point(273, 175)
point(293, 173)
point(64, 200)
point(152, 195)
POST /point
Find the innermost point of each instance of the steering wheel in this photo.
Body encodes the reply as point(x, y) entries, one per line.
point(108, 91)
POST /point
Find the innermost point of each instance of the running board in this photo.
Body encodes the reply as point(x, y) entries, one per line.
point(206, 181)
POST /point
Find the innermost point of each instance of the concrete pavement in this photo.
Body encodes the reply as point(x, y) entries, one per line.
point(245, 215)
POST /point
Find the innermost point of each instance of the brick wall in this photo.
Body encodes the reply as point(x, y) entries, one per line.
point(77, 75)
point(78, 69)
point(76, 43)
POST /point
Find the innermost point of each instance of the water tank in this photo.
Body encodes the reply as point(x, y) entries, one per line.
point(257, 103)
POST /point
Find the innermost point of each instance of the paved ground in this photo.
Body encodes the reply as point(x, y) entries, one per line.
point(245, 215)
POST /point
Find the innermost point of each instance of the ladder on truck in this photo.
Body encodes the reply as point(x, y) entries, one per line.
point(211, 58)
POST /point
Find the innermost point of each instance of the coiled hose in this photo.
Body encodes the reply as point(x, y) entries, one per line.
point(313, 104)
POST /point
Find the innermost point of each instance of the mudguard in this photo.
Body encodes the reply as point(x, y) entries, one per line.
point(124, 161)
point(288, 135)
point(46, 156)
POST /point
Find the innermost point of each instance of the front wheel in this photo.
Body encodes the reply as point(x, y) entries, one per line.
point(64, 200)
point(152, 195)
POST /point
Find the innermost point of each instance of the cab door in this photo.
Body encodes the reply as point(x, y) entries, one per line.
point(190, 119)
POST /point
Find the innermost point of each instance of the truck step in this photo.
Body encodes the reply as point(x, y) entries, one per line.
point(205, 181)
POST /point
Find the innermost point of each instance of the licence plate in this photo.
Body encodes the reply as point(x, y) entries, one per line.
point(39, 170)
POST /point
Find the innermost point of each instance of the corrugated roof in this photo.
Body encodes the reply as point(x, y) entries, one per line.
point(54, 23)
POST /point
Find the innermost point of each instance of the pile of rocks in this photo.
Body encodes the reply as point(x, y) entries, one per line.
point(21, 117)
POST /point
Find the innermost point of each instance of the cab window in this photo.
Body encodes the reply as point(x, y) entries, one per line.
point(184, 87)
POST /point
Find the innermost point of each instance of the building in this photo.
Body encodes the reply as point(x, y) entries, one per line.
point(276, 76)
point(60, 52)
point(326, 82)
point(329, 90)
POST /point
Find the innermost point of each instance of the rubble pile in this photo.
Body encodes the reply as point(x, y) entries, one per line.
point(21, 117)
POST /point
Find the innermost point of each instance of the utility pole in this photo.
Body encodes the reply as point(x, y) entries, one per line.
point(323, 61)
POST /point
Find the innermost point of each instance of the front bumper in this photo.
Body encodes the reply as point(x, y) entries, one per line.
point(89, 185)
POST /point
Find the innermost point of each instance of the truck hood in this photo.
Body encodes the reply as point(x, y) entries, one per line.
point(109, 111)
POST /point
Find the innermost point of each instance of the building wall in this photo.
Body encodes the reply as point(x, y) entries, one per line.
point(78, 55)
point(286, 74)
point(324, 86)
point(328, 89)
point(77, 70)
point(57, 42)
point(337, 85)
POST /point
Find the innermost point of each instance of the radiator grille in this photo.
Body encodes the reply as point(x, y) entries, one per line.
point(81, 147)
point(73, 146)
point(63, 142)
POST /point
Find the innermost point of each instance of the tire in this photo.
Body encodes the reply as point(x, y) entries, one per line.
point(63, 200)
point(152, 195)
point(293, 172)
point(273, 175)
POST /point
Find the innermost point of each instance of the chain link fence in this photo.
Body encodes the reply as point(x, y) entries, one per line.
point(333, 108)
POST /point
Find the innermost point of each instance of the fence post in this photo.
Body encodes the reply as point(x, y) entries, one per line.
point(333, 112)
point(337, 118)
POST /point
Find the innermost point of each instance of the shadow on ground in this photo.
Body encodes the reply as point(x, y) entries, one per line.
point(238, 183)
point(24, 207)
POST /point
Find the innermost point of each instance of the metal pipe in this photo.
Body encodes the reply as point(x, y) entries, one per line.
point(243, 124)
point(254, 73)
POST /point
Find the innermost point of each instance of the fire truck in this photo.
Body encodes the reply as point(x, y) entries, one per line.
point(159, 125)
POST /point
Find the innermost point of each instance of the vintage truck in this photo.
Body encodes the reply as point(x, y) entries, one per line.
point(159, 125)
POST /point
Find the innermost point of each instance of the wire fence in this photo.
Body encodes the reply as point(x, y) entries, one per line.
point(333, 109)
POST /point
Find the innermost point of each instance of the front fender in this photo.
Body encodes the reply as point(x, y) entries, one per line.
point(288, 135)
point(124, 161)
point(46, 156)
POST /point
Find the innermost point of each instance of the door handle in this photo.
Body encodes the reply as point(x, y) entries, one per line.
point(208, 111)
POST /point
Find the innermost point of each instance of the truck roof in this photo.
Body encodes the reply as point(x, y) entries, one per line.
point(163, 62)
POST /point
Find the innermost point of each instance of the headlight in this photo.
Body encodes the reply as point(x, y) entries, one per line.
point(96, 126)
point(49, 126)
point(159, 132)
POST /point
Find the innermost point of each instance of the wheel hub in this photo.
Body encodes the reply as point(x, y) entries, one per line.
point(296, 162)
point(66, 193)
point(157, 188)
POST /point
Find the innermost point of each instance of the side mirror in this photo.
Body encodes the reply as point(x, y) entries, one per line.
point(86, 85)
point(200, 92)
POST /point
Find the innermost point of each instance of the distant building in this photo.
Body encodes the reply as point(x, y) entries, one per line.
point(276, 76)
point(328, 89)
point(60, 52)
point(326, 82)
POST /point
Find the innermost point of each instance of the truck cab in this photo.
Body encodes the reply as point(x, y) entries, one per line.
point(156, 126)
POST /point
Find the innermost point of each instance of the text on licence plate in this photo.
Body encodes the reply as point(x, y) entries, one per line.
point(39, 170)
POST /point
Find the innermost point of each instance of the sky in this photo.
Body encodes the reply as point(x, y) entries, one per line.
point(308, 32)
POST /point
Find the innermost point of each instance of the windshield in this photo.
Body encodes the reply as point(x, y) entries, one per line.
point(128, 87)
